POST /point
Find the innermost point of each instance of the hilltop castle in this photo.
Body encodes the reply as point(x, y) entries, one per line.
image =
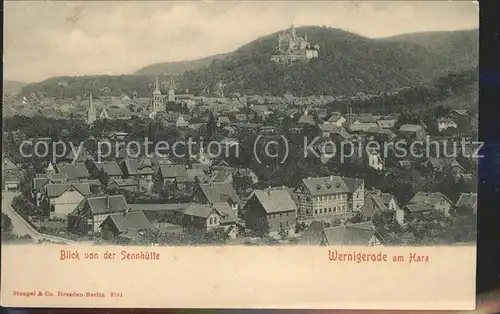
point(292, 48)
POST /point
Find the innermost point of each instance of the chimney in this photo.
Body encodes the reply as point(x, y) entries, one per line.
point(108, 205)
point(331, 178)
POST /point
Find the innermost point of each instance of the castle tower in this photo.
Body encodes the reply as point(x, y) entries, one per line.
point(156, 105)
point(91, 114)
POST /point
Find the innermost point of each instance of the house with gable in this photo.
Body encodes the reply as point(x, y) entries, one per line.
point(384, 203)
point(274, 205)
point(438, 165)
point(181, 122)
point(217, 192)
point(336, 119)
point(412, 131)
point(313, 234)
point(466, 204)
point(64, 198)
point(127, 227)
point(110, 168)
point(176, 174)
point(334, 132)
point(387, 123)
point(207, 217)
point(88, 216)
point(140, 169)
point(12, 175)
point(429, 201)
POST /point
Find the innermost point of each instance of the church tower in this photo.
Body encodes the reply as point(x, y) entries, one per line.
point(156, 97)
point(91, 114)
point(171, 91)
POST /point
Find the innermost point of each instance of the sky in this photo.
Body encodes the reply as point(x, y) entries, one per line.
point(43, 39)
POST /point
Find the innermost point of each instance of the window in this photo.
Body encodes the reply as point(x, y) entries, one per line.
point(330, 210)
point(281, 215)
point(281, 225)
point(287, 224)
point(215, 220)
point(335, 209)
point(316, 211)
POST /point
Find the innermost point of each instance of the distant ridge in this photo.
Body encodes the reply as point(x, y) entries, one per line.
point(347, 64)
point(12, 88)
point(179, 67)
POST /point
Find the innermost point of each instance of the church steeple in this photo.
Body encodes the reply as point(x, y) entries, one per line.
point(292, 31)
point(157, 87)
point(171, 90)
point(91, 111)
point(156, 103)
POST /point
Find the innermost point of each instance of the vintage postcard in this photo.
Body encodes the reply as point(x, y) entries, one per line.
point(227, 154)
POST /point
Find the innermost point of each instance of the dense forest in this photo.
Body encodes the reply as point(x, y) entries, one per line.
point(347, 64)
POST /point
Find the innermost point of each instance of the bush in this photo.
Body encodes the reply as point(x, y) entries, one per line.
point(22, 206)
point(6, 224)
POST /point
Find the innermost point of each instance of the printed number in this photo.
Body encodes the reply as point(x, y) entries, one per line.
point(116, 294)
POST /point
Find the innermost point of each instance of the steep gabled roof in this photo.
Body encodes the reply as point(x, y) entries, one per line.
point(228, 215)
point(111, 168)
point(429, 198)
point(8, 164)
point(129, 221)
point(200, 210)
point(217, 192)
point(275, 200)
point(107, 204)
point(73, 171)
point(335, 118)
point(173, 171)
point(125, 182)
point(355, 234)
point(56, 190)
point(80, 156)
point(312, 235)
point(467, 199)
